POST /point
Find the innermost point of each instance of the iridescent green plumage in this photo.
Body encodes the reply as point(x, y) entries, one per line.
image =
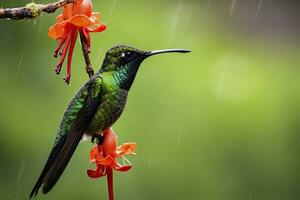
point(95, 107)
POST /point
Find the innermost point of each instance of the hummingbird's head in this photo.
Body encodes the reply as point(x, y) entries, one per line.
point(119, 57)
point(125, 61)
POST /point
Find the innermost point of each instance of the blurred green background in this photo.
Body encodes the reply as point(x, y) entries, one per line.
point(221, 123)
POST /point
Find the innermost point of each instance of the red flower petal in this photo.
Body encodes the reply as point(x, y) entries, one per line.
point(99, 172)
point(109, 144)
point(107, 161)
point(96, 154)
point(126, 148)
point(97, 28)
point(123, 168)
point(94, 174)
point(59, 18)
point(83, 7)
point(57, 31)
point(81, 21)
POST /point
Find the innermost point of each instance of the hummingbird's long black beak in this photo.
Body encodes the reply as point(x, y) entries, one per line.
point(152, 53)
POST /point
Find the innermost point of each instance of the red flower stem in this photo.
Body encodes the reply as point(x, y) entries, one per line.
point(110, 183)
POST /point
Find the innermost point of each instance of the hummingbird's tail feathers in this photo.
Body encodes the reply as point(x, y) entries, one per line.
point(52, 157)
point(77, 130)
point(62, 161)
point(57, 161)
point(64, 149)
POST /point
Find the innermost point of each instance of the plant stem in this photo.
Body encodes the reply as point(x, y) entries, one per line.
point(110, 183)
point(32, 10)
point(86, 52)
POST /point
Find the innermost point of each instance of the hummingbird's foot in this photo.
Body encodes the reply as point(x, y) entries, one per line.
point(97, 138)
point(93, 139)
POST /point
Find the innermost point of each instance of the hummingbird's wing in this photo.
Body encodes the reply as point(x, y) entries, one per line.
point(74, 123)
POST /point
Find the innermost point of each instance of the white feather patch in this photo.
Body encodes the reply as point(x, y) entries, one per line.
point(85, 138)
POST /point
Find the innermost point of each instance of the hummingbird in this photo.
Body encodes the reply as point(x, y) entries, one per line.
point(95, 107)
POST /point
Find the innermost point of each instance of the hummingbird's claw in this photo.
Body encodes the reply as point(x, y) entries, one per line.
point(97, 138)
point(93, 139)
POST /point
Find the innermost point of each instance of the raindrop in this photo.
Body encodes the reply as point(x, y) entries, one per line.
point(41, 23)
point(279, 17)
point(179, 139)
point(21, 171)
point(258, 8)
point(232, 7)
point(187, 20)
point(114, 3)
point(245, 123)
point(207, 7)
point(19, 66)
point(18, 192)
point(174, 22)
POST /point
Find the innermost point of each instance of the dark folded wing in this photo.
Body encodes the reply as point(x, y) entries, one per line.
point(66, 144)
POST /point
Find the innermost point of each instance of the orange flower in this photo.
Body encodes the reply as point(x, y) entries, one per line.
point(105, 157)
point(77, 17)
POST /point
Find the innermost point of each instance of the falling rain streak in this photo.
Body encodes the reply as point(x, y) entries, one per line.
point(19, 66)
point(279, 17)
point(258, 8)
point(232, 7)
point(21, 171)
point(19, 178)
point(207, 7)
point(40, 26)
point(245, 123)
point(114, 3)
point(187, 20)
point(18, 192)
point(179, 139)
point(175, 22)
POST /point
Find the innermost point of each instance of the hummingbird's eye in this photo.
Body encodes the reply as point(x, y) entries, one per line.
point(127, 56)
